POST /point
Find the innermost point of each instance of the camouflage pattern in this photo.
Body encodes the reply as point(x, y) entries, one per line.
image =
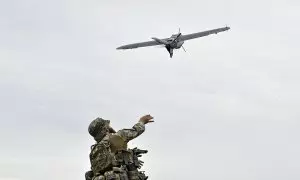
point(133, 175)
point(115, 174)
point(129, 159)
point(103, 160)
point(101, 157)
point(98, 128)
point(89, 175)
point(135, 131)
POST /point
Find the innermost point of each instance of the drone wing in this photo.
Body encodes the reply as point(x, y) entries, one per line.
point(137, 45)
point(203, 33)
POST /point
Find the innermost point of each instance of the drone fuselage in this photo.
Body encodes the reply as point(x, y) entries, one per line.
point(171, 43)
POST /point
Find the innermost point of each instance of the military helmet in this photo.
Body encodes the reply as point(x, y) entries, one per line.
point(98, 128)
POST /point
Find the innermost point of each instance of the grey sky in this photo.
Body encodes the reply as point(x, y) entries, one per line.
point(227, 109)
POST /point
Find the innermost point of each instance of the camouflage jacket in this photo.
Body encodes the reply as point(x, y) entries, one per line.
point(102, 157)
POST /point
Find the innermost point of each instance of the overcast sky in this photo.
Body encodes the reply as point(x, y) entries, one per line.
point(228, 109)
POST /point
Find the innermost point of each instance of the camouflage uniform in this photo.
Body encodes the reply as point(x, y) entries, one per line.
point(108, 164)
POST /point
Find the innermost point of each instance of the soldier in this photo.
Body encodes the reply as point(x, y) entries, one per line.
point(110, 159)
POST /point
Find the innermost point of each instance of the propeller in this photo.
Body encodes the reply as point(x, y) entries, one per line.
point(183, 48)
point(179, 34)
point(177, 37)
point(227, 26)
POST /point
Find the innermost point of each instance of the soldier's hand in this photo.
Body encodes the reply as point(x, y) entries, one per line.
point(146, 119)
point(140, 164)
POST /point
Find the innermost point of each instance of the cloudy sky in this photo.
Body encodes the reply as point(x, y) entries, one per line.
point(228, 109)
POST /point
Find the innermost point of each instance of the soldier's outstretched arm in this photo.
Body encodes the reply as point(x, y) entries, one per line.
point(136, 130)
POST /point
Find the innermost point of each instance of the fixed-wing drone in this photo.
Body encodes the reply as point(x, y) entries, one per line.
point(175, 41)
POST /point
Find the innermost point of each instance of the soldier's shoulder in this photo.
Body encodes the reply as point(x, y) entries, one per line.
point(105, 140)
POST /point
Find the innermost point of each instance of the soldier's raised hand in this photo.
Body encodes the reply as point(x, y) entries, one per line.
point(140, 164)
point(146, 119)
